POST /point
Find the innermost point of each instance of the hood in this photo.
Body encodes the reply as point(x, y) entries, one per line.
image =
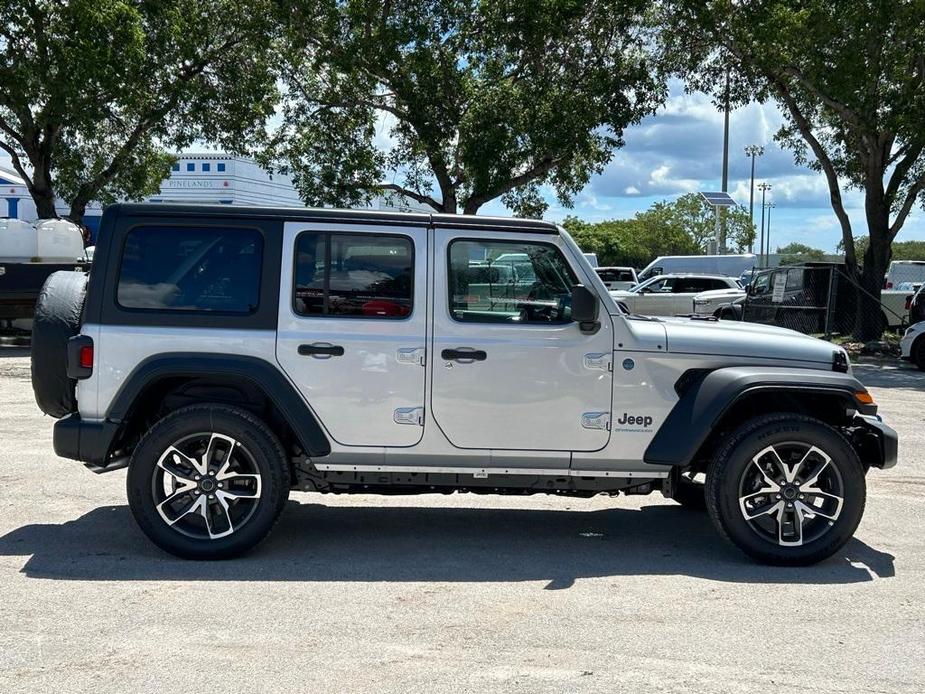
point(740, 339)
point(720, 293)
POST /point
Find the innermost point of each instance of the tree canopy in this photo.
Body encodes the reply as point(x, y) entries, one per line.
point(681, 227)
point(797, 253)
point(850, 78)
point(93, 91)
point(454, 103)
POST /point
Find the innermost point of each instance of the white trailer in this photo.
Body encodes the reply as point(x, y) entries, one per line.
point(726, 265)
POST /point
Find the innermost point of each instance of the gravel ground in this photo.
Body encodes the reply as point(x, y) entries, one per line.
point(458, 593)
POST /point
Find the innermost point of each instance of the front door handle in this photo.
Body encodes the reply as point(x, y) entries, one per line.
point(322, 350)
point(464, 355)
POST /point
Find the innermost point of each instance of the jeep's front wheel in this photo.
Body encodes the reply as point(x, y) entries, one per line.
point(208, 482)
point(786, 490)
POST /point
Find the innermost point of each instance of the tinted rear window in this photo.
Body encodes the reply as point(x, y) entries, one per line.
point(615, 275)
point(191, 269)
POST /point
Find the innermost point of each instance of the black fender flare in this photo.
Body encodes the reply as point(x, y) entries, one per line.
point(259, 372)
point(707, 396)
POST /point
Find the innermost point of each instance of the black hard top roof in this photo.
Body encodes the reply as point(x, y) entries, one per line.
point(316, 214)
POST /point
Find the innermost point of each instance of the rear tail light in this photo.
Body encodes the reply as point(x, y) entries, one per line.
point(908, 303)
point(889, 285)
point(80, 357)
point(86, 357)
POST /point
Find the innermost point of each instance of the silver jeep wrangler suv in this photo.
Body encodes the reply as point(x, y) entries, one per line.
point(227, 355)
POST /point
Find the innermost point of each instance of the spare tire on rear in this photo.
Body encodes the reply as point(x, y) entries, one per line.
point(57, 320)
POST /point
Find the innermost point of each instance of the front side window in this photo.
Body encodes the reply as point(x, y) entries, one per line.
point(191, 269)
point(761, 284)
point(509, 282)
point(353, 275)
point(659, 286)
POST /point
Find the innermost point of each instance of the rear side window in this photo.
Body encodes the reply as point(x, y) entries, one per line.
point(695, 285)
point(794, 280)
point(353, 275)
point(616, 275)
point(191, 269)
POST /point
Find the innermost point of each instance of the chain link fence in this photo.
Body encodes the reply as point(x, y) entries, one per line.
point(822, 299)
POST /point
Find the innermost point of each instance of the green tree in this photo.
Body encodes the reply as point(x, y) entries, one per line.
point(634, 242)
point(695, 216)
point(93, 91)
point(850, 78)
point(797, 253)
point(902, 250)
point(480, 100)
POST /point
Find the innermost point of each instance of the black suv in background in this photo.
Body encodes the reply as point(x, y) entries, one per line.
point(916, 306)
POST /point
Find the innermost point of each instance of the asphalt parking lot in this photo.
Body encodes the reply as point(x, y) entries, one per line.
point(459, 593)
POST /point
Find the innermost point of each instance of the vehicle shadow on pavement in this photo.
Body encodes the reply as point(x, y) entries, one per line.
point(314, 542)
point(13, 352)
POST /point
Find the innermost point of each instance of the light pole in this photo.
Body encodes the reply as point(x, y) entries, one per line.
point(752, 151)
point(764, 188)
point(769, 207)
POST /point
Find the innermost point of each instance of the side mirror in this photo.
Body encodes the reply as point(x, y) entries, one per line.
point(585, 307)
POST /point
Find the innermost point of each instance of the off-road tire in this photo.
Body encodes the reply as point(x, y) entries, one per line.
point(263, 448)
point(736, 455)
point(57, 319)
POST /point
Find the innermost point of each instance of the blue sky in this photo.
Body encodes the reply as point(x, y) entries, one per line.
point(679, 150)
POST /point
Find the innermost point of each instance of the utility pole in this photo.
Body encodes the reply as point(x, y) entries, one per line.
point(752, 151)
point(722, 245)
point(769, 206)
point(762, 257)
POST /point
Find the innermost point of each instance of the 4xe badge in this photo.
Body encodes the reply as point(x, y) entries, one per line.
point(629, 422)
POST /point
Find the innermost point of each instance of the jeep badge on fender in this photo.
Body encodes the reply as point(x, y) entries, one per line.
point(644, 422)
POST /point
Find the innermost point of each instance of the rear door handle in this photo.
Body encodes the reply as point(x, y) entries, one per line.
point(322, 350)
point(463, 355)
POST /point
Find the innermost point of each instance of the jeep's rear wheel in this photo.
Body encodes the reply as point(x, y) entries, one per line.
point(786, 490)
point(208, 482)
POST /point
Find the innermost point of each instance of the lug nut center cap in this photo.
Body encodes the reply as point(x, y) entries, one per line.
point(790, 493)
point(207, 484)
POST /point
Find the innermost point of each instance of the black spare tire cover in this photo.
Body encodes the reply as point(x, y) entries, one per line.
point(57, 319)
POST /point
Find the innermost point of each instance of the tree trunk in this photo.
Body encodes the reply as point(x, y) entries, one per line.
point(471, 209)
point(77, 211)
point(41, 189)
point(871, 322)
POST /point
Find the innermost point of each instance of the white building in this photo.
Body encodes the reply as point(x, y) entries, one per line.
point(197, 178)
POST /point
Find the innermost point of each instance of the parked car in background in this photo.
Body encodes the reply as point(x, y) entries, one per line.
point(896, 305)
point(617, 277)
point(904, 271)
point(728, 265)
point(670, 295)
point(798, 297)
point(712, 303)
point(916, 306)
point(912, 346)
